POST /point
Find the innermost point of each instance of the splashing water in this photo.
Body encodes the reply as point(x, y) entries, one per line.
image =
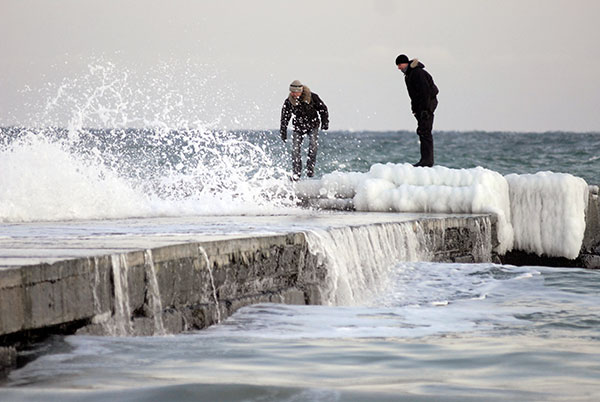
point(171, 166)
point(360, 259)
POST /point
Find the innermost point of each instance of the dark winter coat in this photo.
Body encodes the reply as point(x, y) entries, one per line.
point(306, 110)
point(421, 88)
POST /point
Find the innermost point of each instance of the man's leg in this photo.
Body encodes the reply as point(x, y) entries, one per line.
point(313, 146)
point(296, 155)
point(424, 128)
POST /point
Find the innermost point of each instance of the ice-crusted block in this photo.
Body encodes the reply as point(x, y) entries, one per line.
point(548, 211)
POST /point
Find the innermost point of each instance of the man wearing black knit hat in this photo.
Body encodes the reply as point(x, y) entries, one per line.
point(423, 101)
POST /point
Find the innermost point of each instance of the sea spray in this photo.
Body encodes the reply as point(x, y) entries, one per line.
point(99, 165)
point(359, 259)
point(154, 293)
point(212, 281)
point(43, 181)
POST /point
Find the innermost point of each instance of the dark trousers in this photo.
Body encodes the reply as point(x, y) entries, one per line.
point(313, 145)
point(424, 128)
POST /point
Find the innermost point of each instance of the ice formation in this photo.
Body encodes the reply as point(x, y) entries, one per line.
point(548, 212)
point(542, 213)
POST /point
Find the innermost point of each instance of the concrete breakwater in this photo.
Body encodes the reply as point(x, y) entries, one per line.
point(588, 254)
point(186, 286)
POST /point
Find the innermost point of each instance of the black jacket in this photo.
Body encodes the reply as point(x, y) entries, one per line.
point(306, 110)
point(421, 88)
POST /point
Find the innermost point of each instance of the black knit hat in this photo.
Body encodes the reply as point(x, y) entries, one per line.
point(401, 59)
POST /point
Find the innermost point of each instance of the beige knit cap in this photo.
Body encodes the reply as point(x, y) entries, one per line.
point(296, 86)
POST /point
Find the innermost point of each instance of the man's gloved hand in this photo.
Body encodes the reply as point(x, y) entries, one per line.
point(424, 114)
point(324, 126)
point(283, 133)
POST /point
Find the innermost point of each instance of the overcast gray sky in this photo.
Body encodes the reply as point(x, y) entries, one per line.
point(516, 65)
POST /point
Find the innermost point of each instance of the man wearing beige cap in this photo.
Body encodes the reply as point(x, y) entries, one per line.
point(306, 107)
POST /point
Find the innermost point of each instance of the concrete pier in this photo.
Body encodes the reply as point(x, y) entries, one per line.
point(89, 281)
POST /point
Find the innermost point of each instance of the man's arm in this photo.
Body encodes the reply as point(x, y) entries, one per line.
point(286, 115)
point(323, 112)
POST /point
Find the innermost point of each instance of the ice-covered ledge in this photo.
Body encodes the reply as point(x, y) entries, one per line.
point(543, 219)
point(589, 254)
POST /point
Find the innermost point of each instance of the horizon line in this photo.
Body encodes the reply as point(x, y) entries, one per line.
point(556, 131)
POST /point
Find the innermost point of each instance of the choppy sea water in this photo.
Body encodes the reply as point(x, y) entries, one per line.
point(439, 332)
point(504, 152)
